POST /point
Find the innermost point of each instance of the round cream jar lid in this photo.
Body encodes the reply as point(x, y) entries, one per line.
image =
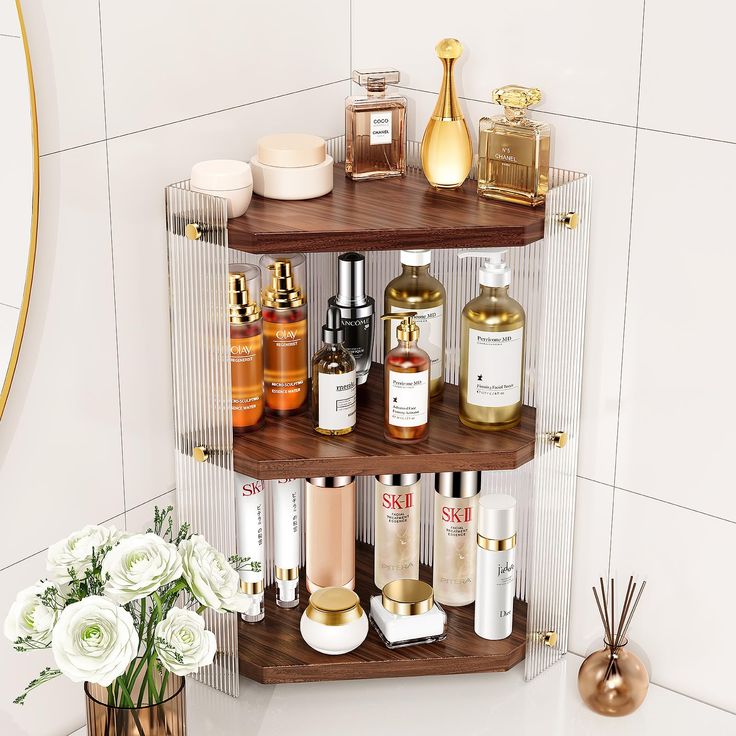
point(221, 175)
point(333, 606)
point(291, 150)
point(407, 597)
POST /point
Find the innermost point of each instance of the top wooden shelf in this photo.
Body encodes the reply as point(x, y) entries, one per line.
point(388, 214)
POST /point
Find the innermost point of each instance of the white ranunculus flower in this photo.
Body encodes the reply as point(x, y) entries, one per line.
point(76, 551)
point(182, 643)
point(28, 616)
point(94, 640)
point(212, 579)
point(139, 565)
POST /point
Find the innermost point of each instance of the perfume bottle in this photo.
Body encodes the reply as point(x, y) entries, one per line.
point(356, 310)
point(414, 289)
point(447, 151)
point(492, 349)
point(455, 524)
point(406, 384)
point(246, 348)
point(396, 554)
point(375, 128)
point(514, 151)
point(333, 381)
point(284, 307)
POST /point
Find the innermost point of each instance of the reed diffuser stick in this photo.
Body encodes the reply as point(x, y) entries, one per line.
point(633, 610)
point(624, 610)
point(613, 612)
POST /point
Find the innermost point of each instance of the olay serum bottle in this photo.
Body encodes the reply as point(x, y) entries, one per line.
point(284, 307)
point(357, 311)
point(455, 511)
point(397, 528)
point(496, 574)
point(287, 533)
point(250, 502)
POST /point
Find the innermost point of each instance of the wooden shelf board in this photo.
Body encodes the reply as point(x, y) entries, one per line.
point(388, 214)
point(273, 651)
point(290, 448)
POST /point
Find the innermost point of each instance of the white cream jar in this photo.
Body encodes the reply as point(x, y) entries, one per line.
point(405, 614)
point(232, 180)
point(334, 622)
point(292, 166)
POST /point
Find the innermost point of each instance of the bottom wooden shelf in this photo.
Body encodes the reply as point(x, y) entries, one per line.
point(273, 651)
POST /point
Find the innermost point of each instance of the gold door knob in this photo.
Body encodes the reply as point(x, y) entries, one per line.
point(570, 220)
point(201, 454)
point(558, 439)
point(193, 231)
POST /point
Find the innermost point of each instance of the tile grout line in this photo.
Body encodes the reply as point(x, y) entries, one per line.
point(112, 268)
point(626, 291)
point(9, 35)
point(150, 500)
point(9, 306)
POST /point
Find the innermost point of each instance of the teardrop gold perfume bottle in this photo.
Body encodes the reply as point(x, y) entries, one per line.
point(447, 151)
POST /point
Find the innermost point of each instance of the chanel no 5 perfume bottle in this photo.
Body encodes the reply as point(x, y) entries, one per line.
point(375, 128)
point(514, 151)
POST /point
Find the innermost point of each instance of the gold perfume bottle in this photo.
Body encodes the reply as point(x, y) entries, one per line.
point(514, 151)
point(447, 151)
point(375, 128)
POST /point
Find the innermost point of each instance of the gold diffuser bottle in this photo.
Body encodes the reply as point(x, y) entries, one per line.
point(447, 151)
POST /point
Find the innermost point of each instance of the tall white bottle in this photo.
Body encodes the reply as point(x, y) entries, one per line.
point(287, 533)
point(496, 561)
point(249, 501)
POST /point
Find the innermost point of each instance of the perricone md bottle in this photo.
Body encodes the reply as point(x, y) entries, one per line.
point(455, 524)
point(396, 554)
point(284, 307)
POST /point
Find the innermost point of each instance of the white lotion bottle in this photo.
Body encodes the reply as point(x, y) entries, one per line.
point(286, 493)
point(249, 501)
point(496, 562)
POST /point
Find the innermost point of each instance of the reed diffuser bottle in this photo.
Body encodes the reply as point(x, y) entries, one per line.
point(447, 150)
point(284, 307)
point(246, 348)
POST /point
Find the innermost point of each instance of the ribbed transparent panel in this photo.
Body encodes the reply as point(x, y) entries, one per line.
point(200, 350)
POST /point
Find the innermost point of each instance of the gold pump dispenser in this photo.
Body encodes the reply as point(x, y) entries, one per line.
point(282, 293)
point(407, 330)
point(241, 308)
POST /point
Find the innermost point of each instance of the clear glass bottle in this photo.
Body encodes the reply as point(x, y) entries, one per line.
point(447, 150)
point(334, 384)
point(396, 553)
point(414, 289)
point(375, 128)
point(406, 384)
point(286, 356)
point(514, 151)
point(455, 530)
point(246, 348)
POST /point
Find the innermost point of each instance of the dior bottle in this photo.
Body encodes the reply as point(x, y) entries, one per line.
point(357, 311)
point(455, 524)
point(396, 555)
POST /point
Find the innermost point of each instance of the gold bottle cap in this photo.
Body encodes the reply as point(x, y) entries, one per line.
point(283, 292)
point(449, 48)
point(517, 97)
point(241, 308)
point(407, 597)
point(408, 329)
point(334, 606)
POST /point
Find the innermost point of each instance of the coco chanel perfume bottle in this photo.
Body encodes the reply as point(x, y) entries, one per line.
point(375, 128)
point(514, 151)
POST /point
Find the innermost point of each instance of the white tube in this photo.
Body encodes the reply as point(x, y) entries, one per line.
point(287, 533)
point(249, 500)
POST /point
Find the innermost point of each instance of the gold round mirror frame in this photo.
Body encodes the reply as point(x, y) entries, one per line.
point(23, 314)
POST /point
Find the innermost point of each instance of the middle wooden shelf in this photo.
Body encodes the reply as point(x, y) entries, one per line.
point(290, 448)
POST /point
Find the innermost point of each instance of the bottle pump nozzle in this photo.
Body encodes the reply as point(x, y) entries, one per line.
point(408, 329)
point(494, 271)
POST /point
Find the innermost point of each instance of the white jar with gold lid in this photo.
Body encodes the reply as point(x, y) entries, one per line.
point(334, 621)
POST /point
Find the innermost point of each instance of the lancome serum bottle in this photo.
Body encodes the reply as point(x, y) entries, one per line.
point(514, 151)
point(375, 128)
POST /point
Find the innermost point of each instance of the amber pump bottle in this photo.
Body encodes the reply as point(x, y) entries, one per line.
point(246, 348)
point(406, 384)
point(284, 307)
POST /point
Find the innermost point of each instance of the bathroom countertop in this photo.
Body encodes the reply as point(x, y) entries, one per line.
point(451, 705)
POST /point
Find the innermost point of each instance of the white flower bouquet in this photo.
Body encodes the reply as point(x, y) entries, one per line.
point(124, 610)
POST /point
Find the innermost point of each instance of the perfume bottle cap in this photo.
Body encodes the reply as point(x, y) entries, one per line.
point(408, 329)
point(462, 484)
point(407, 597)
point(416, 257)
point(494, 271)
point(243, 288)
point(497, 516)
point(449, 48)
point(399, 479)
point(334, 606)
point(281, 290)
point(337, 481)
point(351, 280)
point(332, 331)
point(516, 97)
point(376, 79)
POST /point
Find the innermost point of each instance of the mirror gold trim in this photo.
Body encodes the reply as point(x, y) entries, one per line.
point(23, 314)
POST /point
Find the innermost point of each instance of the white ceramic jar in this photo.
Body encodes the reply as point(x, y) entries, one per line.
point(334, 622)
point(232, 180)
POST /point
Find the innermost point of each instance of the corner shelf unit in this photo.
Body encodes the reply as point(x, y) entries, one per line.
point(549, 265)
